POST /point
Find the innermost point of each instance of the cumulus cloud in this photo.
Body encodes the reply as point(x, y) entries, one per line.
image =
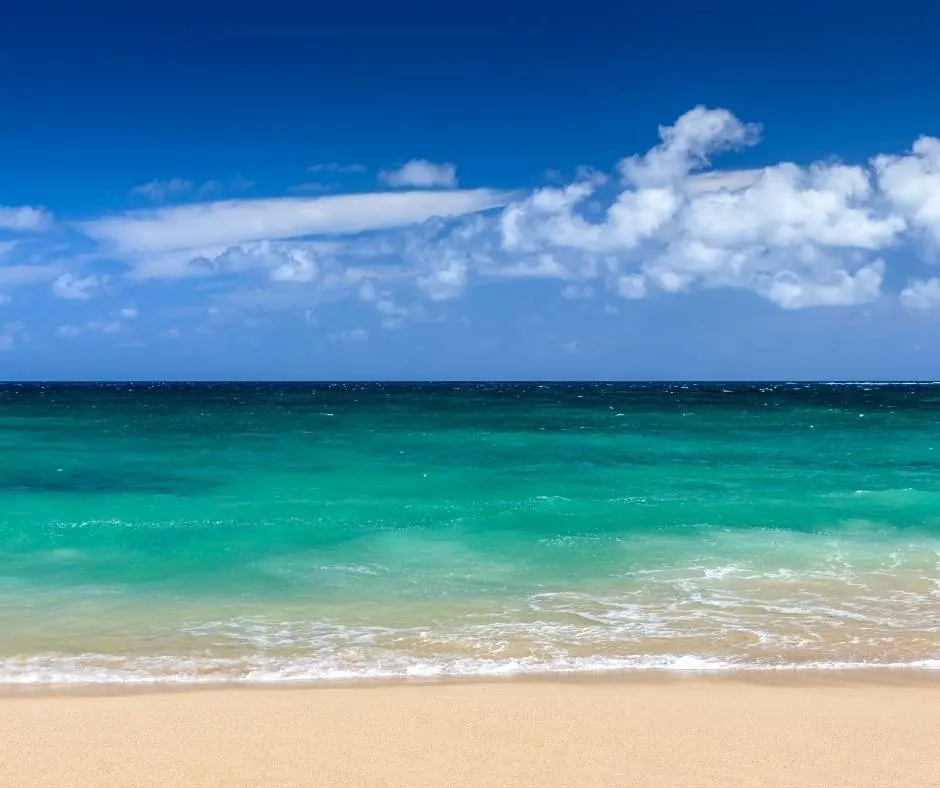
point(912, 183)
point(74, 288)
point(421, 174)
point(25, 218)
point(921, 294)
point(799, 236)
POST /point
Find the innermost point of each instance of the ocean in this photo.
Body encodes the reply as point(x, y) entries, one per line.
point(266, 533)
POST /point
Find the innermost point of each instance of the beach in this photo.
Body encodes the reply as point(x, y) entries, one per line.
point(834, 731)
point(470, 585)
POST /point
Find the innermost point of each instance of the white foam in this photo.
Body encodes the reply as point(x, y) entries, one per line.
point(97, 669)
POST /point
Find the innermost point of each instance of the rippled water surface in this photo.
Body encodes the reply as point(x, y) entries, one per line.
point(318, 532)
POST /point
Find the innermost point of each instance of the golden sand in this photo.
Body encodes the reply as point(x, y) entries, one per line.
point(678, 733)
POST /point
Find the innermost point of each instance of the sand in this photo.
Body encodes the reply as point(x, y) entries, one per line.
point(677, 733)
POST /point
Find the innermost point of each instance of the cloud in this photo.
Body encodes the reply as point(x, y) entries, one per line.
point(128, 312)
point(798, 236)
point(577, 292)
point(393, 314)
point(912, 183)
point(921, 294)
point(77, 289)
point(339, 169)
point(25, 218)
point(173, 236)
point(688, 145)
point(664, 222)
point(721, 180)
point(159, 191)
point(91, 327)
point(22, 274)
point(214, 188)
point(421, 174)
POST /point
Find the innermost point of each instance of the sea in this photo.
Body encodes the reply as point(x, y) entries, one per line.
point(156, 534)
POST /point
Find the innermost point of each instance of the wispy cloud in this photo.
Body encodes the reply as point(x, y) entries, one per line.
point(70, 330)
point(207, 229)
point(160, 191)
point(339, 169)
point(352, 335)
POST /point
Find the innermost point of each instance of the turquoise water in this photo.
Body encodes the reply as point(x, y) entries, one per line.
point(197, 533)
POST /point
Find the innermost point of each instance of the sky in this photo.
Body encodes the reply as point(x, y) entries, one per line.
point(439, 191)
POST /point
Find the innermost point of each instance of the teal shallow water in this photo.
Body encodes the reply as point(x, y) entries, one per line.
point(296, 532)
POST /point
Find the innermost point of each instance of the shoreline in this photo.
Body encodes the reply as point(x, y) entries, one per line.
point(702, 732)
point(796, 677)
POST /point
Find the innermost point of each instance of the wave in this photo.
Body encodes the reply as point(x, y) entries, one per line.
point(52, 670)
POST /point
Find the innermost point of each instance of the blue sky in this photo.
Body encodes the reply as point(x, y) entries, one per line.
point(287, 191)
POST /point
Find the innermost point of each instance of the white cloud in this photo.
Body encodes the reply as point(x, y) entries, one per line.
point(721, 180)
point(912, 184)
point(446, 277)
point(128, 312)
point(298, 266)
point(162, 242)
point(841, 288)
point(25, 218)
point(921, 294)
point(798, 236)
point(74, 288)
point(663, 221)
point(158, 190)
point(688, 145)
point(421, 174)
